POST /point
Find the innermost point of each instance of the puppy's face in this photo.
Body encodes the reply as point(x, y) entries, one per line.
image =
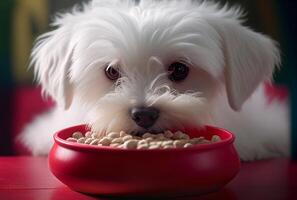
point(153, 65)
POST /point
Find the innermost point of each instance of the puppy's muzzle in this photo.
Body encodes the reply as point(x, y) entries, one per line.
point(145, 117)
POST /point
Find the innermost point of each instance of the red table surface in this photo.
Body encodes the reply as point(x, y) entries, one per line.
point(28, 178)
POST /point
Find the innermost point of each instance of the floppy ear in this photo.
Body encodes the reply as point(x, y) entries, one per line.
point(250, 57)
point(51, 59)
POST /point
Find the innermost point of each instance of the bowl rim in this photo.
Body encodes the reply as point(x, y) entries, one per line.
point(83, 147)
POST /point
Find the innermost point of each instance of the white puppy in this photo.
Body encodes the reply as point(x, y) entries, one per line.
point(157, 65)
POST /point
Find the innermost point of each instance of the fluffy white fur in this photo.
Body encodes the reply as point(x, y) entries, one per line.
point(228, 62)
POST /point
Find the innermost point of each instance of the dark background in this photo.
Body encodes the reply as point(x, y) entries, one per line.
point(22, 21)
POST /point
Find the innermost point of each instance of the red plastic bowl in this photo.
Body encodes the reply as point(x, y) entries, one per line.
point(159, 172)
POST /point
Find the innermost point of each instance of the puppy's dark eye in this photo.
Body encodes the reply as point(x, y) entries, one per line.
point(178, 71)
point(112, 73)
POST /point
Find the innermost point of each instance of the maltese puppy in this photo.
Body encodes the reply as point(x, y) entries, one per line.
point(153, 65)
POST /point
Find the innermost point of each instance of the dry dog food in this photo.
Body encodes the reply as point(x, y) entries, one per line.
point(121, 139)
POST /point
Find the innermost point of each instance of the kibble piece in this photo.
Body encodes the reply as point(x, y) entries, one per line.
point(143, 142)
point(130, 144)
point(196, 140)
point(147, 135)
point(142, 146)
point(77, 135)
point(168, 134)
point(88, 134)
point(94, 142)
point(184, 136)
point(177, 135)
point(137, 138)
point(178, 143)
point(105, 141)
point(161, 137)
point(204, 141)
point(156, 143)
point(188, 145)
point(113, 135)
point(123, 133)
point(115, 144)
point(81, 140)
point(168, 147)
point(127, 137)
point(71, 139)
point(89, 140)
point(183, 141)
point(167, 143)
point(117, 140)
point(154, 146)
point(95, 135)
point(149, 139)
point(215, 138)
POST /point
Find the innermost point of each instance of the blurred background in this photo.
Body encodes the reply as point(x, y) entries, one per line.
point(21, 21)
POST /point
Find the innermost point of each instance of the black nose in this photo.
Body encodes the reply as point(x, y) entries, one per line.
point(144, 117)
